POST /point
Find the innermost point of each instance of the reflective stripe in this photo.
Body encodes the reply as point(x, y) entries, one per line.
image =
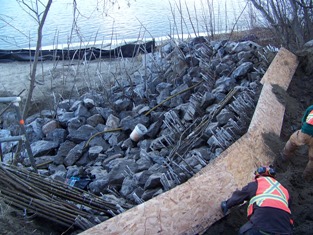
point(309, 118)
point(275, 187)
point(260, 198)
point(269, 193)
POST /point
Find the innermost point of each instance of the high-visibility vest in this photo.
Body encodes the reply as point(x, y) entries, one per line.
point(270, 193)
point(309, 118)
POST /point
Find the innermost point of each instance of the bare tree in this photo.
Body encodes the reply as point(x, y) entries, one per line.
point(291, 20)
point(33, 8)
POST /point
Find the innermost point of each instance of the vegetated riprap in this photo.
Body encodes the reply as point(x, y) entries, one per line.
point(196, 98)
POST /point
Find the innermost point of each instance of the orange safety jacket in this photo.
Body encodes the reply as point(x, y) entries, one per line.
point(270, 193)
point(309, 118)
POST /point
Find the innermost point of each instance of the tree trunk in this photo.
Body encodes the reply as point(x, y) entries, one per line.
point(35, 63)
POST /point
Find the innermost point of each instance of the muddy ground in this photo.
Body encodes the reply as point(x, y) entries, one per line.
point(297, 98)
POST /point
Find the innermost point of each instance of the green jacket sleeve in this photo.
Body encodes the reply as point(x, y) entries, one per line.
point(307, 111)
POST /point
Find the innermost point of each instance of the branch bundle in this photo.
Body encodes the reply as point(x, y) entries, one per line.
point(53, 200)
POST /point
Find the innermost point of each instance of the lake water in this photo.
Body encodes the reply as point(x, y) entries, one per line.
point(100, 22)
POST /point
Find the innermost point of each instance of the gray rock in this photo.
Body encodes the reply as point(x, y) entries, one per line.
point(222, 69)
point(85, 160)
point(128, 143)
point(245, 46)
point(74, 171)
point(154, 129)
point(34, 130)
point(98, 186)
point(164, 94)
point(144, 163)
point(47, 113)
point(228, 82)
point(207, 99)
point(63, 150)
point(150, 193)
point(112, 121)
point(74, 154)
point(7, 158)
point(43, 147)
point(224, 116)
point(98, 172)
point(82, 111)
point(55, 168)
point(128, 186)
point(89, 103)
point(58, 135)
point(142, 177)
point(120, 167)
point(153, 181)
point(6, 147)
point(82, 134)
point(49, 127)
point(43, 161)
point(94, 152)
point(94, 120)
point(64, 117)
point(117, 138)
point(66, 104)
point(108, 159)
point(122, 104)
point(59, 176)
point(242, 70)
point(104, 112)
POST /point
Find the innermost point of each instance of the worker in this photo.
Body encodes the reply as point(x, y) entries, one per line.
point(304, 136)
point(269, 205)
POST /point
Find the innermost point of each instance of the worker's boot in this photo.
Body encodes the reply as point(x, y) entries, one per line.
point(288, 151)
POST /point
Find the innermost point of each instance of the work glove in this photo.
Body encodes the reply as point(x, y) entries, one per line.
point(224, 207)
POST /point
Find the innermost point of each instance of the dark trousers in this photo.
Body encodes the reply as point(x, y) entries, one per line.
point(249, 229)
point(255, 231)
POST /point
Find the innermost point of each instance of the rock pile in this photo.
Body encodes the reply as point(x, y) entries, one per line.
point(195, 100)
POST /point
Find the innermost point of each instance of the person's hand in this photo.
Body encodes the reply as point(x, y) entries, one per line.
point(224, 207)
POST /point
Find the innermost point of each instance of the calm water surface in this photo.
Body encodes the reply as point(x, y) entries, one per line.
point(95, 22)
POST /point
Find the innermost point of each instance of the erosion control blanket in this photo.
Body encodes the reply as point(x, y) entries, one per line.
point(92, 53)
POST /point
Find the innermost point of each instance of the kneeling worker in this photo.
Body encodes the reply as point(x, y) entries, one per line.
point(268, 209)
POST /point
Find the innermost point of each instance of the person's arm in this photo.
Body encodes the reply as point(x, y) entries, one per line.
point(245, 194)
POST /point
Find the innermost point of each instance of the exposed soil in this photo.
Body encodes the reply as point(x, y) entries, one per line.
point(297, 98)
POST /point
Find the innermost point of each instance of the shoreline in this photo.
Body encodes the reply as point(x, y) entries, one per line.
point(65, 76)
